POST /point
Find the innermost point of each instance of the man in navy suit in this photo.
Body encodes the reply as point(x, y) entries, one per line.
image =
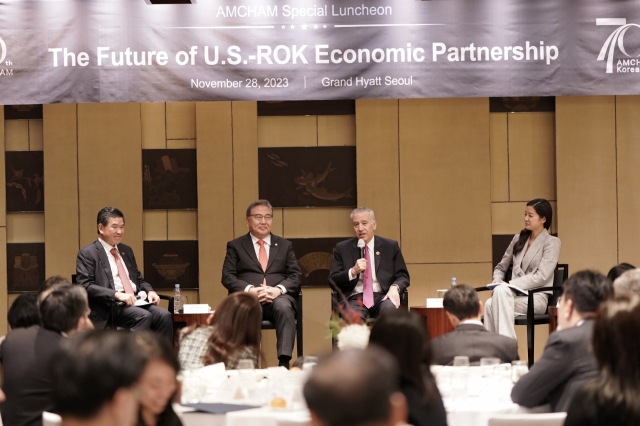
point(265, 265)
point(107, 269)
point(372, 283)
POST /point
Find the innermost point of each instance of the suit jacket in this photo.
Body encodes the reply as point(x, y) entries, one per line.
point(25, 355)
point(94, 274)
point(242, 268)
point(474, 341)
point(532, 267)
point(566, 364)
point(390, 266)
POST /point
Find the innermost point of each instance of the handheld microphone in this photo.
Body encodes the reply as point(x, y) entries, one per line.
point(361, 245)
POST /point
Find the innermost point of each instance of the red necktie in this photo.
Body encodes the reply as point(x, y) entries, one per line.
point(122, 273)
point(263, 259)
point(367, 282)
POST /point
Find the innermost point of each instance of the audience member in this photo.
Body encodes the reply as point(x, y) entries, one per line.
point(404, 336)
point(26, 352)
point(95, 378)
point(235, 333)
point(355, 387)
point(469, 337)
point(52, 282)
point(567, 362)
point(627, 283)
point(613, 398)
point(23, 312)
point(193, 345)
point(618, 270)
point(158, 382)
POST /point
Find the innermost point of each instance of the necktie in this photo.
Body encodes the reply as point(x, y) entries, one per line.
point(367, 282)
point(262, 257)
point(122, 273)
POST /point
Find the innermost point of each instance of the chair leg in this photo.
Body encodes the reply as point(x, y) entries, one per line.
point(299, 341)
point(530, 339)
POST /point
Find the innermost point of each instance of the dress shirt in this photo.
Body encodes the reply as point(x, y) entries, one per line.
point(476, 322)
point(117, 282)
point(372, 261)
point(267, 247)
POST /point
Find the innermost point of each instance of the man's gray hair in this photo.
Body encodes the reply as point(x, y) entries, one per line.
point(363, 210)
point(627, 283)
point(257, 203)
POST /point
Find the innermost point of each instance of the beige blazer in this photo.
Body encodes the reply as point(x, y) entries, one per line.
point(532, 267)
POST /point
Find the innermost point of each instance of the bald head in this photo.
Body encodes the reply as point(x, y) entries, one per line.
point(355, 387)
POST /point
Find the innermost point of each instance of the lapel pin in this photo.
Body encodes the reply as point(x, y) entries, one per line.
point(377, 253)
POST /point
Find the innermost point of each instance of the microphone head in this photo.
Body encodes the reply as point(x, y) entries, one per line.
point(361, 243)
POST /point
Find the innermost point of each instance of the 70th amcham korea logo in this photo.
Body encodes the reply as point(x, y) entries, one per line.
point(617, 38)
point(3, 50)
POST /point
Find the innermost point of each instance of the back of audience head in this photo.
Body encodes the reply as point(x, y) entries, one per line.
point(627, 283)
point(617, 352)
point(355, 387)
point(52, 282)
point(236, 324)
point(158, 381)
point(618, 270)
point(23, 312)
point(94, 376)
point(64, 308)
point(462, 303)
point(582, 295)
point(405, 337)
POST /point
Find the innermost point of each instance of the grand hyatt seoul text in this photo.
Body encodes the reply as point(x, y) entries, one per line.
point(287, 11)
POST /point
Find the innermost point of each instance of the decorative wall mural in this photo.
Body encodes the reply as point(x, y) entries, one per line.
point(24, 177)
point(25, 266)
point(169, 179)
point(167, 263)
point(314, 258)
point(308, 176)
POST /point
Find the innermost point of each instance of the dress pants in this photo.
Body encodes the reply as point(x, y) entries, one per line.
point(282, 312)
point(355, 305)
point(148, 317)
point(501, 309)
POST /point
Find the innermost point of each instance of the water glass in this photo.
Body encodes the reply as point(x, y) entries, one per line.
point(461, 361)
point(488, 365)
point(518, 369)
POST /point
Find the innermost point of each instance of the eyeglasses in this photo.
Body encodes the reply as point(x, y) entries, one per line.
point(259, 217)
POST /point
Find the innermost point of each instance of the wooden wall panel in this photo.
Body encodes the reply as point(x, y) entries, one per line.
point(245, 161)
point(25, 228)
point(182, 225)
point(445, 180)
point(532, 156)
point(181, 120)
point(154, 225)
point(586, 173)
point(508, 218)
point(215, 195)
point(287, 131)
point(61, 217)
point(154, 135)
point(16, 135)
point(377, 162)
point(319, 222)
point(628, 158)
point(36, 136)
point(3, 230)
point(277, 227)
point(109, 168)
point(336, 130)
point(181, 143)
point(499, 156)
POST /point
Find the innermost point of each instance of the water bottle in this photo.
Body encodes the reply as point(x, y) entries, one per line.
point(454, 282)
point(177, 300)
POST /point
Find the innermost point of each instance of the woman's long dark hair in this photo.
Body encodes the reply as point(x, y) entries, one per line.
point(618, 355)
point(236, 324)
point(405, 336)
point(543, 208)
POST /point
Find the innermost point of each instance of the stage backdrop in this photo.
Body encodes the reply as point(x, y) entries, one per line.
point(132, 50)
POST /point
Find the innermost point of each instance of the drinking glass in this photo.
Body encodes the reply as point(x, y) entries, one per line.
point(518, 369)
point(461, 361)
point(488, 365)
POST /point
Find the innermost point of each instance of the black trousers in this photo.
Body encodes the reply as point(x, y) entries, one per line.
point(148, 317)
point(282, 312)
point(355, 306)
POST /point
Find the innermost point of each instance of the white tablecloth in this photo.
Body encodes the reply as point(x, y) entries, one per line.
point(258, 416)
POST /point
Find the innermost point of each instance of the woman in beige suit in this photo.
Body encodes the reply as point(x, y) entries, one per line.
point(534, 255)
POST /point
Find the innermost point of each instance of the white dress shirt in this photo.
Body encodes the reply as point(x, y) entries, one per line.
point(267, 247)
point(372, 261)
point(117, 282)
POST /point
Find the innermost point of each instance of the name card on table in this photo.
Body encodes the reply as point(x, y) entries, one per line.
point(434, 302)
point(202, 308)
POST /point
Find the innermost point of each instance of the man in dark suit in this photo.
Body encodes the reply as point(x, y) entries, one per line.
point(108, 271)
point(371, 283)
point(26, 353)
point(567, 362)
point(265, 265)
point(470, 338)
